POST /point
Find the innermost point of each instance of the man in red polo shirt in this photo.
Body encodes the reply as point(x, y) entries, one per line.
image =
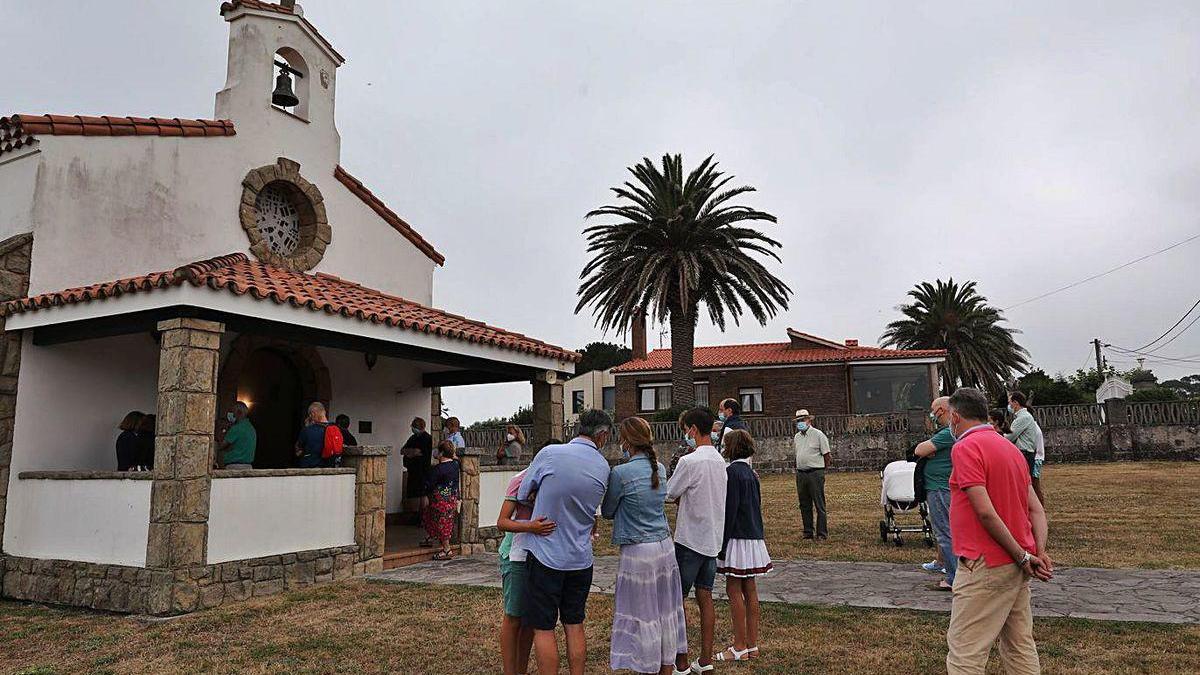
point(999, 532)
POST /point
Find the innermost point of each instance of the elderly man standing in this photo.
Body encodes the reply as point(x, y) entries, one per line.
point(237, 450)
point(999, 533)
point(1027, 436)
point(812, 458)
point(569, 481)
point(937, 484)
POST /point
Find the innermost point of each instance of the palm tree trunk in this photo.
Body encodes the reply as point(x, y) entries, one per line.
point(683, 340)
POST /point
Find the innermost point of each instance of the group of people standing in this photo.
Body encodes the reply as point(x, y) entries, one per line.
point(549, 517)
point(982, 485)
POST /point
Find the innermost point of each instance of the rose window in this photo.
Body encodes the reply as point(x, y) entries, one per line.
point(278, 219)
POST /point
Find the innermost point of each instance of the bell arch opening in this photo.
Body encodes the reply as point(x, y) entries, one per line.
point(291, 77)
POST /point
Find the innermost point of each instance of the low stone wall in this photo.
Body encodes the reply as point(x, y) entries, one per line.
point(144, 591)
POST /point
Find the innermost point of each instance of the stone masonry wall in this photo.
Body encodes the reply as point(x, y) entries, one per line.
point(370, 518)
point(15, 255)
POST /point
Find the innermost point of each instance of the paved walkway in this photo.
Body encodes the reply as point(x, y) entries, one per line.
point(1160, 596)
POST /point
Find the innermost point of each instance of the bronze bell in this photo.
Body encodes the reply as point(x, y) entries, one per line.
point(283, 96)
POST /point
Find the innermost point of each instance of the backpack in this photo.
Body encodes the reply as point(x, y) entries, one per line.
point(332, 448)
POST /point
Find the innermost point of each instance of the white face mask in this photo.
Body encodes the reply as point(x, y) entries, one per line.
point(510, 438)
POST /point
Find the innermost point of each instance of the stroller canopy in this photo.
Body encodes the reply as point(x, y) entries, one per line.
point(898, 482)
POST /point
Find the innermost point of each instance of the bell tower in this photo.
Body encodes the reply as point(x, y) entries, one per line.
point(281, 81)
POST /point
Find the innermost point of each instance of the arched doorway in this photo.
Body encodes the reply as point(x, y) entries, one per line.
point(277, 379)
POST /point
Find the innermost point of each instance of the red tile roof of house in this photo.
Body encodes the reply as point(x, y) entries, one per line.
point(238, 274)
point(355, 186)
point(771, 354)
point(279, 9)
point(17, 131)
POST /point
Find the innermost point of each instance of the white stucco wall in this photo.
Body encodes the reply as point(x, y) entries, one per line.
point(98, 521)
point(18, 175)
point(492, 486)
point(390, 395)
point(254, 517)
point(72, 397)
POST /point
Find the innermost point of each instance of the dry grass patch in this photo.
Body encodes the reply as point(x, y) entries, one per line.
point(361, 627)
point(1121, 514)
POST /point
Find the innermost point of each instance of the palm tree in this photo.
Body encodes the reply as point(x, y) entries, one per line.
point(946, 315)
point(678, 242)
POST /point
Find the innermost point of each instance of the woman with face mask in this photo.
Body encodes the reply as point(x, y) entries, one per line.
point(511, 447)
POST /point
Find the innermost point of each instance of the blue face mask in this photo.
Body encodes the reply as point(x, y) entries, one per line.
point(231, 417)
point(801, 426)
point(1009, 408)
point(415, 430)
point(691, 442)
point(722, 417)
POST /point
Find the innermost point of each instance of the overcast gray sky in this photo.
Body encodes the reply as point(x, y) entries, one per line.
point(1025, 145)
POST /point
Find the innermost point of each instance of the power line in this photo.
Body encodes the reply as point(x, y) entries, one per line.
point(1105, 273)
point(1158, 358)
point(1176, 336)
point(1173, 326)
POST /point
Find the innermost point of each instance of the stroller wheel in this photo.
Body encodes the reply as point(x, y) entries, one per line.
point(899, 541)
point(883, 531)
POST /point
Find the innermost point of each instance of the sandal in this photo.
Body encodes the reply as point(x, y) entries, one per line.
point(443, 555)
point(752, 652)
point(743, 655)
point(699, 669)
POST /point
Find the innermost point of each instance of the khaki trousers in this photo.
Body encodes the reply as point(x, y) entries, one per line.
point(991, 603)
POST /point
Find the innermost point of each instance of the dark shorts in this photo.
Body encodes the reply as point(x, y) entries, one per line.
point(552, 594)
point(695, 569)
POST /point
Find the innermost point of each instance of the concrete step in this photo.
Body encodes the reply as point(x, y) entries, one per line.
point(408, 557)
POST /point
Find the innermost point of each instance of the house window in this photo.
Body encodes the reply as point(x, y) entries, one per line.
point(751, 399)
point(609, 398)
point(700, 390)
point(577, 401)
point(653, 397)
point(882, 389)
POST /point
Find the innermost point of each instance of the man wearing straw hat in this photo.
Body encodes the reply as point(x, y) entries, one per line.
point(812, 458)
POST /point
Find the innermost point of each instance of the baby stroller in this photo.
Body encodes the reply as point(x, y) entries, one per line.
point(898, 497)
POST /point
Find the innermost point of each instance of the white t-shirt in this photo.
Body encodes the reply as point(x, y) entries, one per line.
point(699, 484)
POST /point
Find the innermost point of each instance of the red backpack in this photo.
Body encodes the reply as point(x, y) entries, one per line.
point(332, 449)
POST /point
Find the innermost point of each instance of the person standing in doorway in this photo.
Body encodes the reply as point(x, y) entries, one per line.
point(937, 485)
point(569, 481)
point(1026, 434)
point(812, 458)
point(145, 436)
point(649, 628)
point(241, 440)
point(343, 424)
point(441, 483)
point(999, 532)
point(699, 485)
point(312, 437)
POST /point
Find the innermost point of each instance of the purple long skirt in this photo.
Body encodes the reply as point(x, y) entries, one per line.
point(648, 623)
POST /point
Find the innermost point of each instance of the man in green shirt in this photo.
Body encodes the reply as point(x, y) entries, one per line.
point(237, 450)
point(936, 452)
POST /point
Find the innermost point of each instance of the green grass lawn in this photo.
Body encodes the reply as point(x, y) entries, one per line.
point(1126, 514)
point(362, 627)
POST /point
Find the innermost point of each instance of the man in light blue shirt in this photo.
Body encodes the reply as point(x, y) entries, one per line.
point(569, 482)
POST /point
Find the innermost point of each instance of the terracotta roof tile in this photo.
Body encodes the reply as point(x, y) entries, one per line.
point(238, 274)
point(17, 131)
point(771, 354)
point(355, 186)
point(279, 9)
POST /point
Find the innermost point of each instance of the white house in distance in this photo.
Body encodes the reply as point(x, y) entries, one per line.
point(593, 389)
point(178, 265)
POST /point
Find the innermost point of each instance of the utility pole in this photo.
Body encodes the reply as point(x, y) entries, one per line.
point(1099, 359)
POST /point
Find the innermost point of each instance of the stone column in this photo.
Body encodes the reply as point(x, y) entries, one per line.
point(370, 500)
point(15, 255)
point(468, 489)
point(183, 458)
point(1120, 433)
point(547, 412)
point(435, 416)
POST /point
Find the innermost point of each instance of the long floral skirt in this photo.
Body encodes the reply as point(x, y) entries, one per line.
point(648, 624)
point(438, 517)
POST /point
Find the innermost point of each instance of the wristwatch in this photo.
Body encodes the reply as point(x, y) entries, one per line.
point(1024, 559)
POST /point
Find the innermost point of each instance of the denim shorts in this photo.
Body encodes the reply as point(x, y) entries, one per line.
point(695, 569)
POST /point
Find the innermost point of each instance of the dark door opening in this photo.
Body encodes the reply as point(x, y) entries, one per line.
point(271, 385)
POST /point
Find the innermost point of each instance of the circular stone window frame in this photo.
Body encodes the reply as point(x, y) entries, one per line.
point(315, 233)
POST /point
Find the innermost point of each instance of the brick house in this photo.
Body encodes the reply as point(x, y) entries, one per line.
point(775, 379)
point(177, 266)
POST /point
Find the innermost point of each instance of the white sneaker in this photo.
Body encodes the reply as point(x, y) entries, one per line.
point(933, 566)
point(699, 669)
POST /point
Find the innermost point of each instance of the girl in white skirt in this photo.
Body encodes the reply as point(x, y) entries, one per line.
point(743, 555)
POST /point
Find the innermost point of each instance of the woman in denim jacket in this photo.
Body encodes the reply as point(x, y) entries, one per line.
point(648, 622)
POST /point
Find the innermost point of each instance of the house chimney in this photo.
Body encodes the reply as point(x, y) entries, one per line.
point(637, 337)
point(851, 343)
point(287, 4)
